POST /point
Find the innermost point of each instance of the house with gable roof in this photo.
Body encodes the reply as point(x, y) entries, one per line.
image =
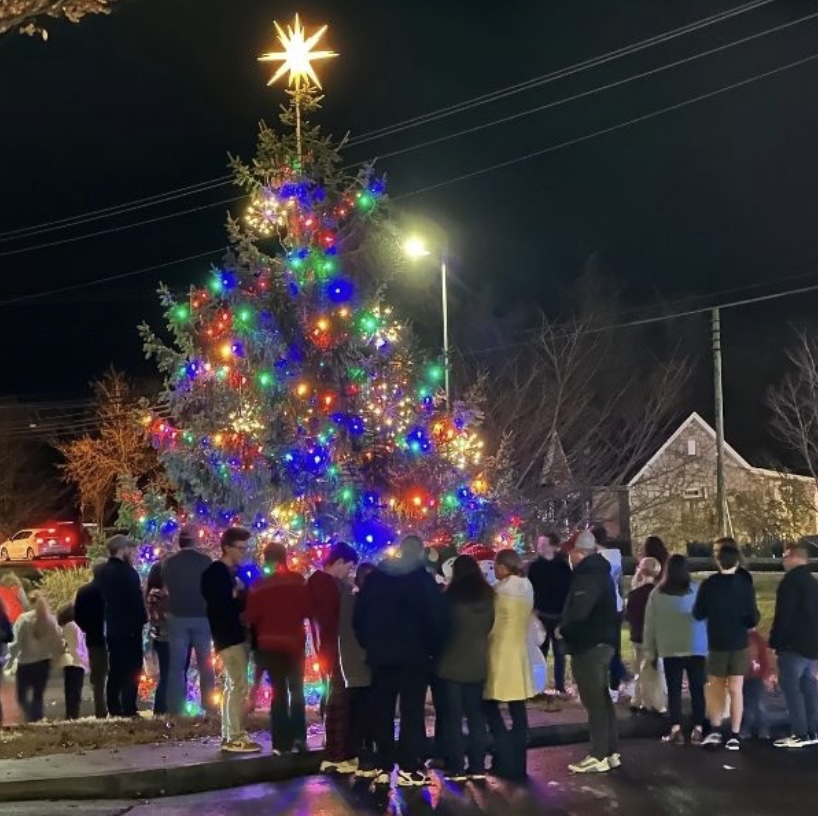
point(673, 495)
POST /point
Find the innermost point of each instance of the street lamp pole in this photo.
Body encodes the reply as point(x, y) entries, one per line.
point(415, 248)
point(445, 303)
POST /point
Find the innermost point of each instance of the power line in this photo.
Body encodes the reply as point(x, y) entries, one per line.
point(117, 209)
point(120, 228)
point(444, 138)
point(109, 279)
point(57, 427)
point(561, 73)
point(220, 181)
point(473, 174)
point(600, 89)
point(612, 129)
point(647, 321)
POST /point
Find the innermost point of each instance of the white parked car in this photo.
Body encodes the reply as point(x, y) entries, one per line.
point(37, 542)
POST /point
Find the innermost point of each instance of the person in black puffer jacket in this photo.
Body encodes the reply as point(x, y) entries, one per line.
point(400, 621)
point(590, 628)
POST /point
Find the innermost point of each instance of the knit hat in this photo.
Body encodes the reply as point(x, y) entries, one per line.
point(586, 542)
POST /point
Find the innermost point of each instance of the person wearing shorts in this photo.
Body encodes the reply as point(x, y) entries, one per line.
point(727, 602)
point(728, 664)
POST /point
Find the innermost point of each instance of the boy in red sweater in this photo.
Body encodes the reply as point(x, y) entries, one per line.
point(760, 677)
point(277, 607)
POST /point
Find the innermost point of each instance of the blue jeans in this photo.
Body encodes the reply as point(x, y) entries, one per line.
point(796, 676)
point(184, 634)
point(755, 709)
point(160, 697)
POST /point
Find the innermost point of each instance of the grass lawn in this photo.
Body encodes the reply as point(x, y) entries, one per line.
point(765, 583)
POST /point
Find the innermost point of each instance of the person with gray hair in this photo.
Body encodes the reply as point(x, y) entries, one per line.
point(125, 618)
point(89, 615)
point(590, 628)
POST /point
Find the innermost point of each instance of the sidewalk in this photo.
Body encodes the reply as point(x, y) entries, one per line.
point(176, 768)
point(195, 766)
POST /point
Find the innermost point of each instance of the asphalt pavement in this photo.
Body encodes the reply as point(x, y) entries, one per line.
point(655, 779)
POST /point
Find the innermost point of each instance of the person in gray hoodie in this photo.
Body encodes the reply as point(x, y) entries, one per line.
point(674, 635)
point(463, 666)
point(358, 679)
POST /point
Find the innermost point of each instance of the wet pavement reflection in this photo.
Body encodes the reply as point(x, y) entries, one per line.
point(655, 779)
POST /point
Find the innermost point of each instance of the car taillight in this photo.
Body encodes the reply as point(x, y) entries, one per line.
point(39, 540)
point(68, 539)
point(51, 530)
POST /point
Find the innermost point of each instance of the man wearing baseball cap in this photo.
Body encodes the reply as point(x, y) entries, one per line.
point(590, 626)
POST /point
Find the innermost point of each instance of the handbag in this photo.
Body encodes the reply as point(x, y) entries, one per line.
point(536, 630)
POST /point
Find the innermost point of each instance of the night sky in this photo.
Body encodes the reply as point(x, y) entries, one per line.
point(713, 197)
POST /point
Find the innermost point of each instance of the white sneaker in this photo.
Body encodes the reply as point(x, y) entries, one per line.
point(243, 745)
point(712, 740)
point(793, 742)
point(328, 767)
point(349, 766)
point(411, 779)
point(615, 761)
point(590, 765)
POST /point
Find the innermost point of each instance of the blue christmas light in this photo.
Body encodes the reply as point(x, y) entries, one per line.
point(169, 527)
point(339, 290)
point(417, 441)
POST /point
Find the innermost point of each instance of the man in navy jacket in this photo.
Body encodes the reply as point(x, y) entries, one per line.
point(400, 621)
point(125, 618)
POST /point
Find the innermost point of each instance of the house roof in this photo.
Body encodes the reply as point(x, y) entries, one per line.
point(693, 419)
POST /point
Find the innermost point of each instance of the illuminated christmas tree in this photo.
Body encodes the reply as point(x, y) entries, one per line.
point(295, 401)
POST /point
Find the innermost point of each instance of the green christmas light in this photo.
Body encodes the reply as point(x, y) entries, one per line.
point(368, 323)
point(435, 373)
point(216, 285)
point(180, 313)
point(366, 201)
point(265, 379)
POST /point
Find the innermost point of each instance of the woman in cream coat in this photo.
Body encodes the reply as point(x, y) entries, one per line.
point(510, 678)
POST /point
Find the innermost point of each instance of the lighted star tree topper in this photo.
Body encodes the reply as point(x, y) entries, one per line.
point(296, 58)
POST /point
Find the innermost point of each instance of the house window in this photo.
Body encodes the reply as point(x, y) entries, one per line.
point(691, 447)
point(693, 493)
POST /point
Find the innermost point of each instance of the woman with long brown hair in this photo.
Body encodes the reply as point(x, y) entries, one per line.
point(463, 665)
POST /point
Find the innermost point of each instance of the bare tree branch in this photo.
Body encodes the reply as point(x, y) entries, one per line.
point(25, 16)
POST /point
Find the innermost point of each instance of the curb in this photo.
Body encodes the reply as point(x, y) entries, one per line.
point(230, 772)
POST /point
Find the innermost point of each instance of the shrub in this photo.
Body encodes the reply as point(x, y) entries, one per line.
point(60, 586)
point(699, 549)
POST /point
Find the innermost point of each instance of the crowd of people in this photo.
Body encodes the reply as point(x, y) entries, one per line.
point(387, 635)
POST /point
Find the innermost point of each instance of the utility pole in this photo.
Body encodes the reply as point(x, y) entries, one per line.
point(721, 499)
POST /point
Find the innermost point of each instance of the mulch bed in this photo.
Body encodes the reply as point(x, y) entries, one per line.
point(90, 734)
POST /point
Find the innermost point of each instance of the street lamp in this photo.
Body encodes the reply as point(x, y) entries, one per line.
point(415, 248)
